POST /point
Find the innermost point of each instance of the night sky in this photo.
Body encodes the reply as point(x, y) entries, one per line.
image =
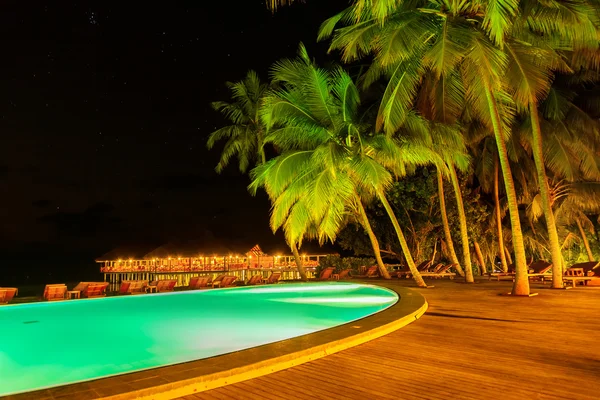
point(105, 112)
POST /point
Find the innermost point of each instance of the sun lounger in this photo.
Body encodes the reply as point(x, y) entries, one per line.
point(217, 280)
point(326, 274)
point(422, 267)
point(255, 280)
point(198, 282)
point(227, 281)
point(124, 289)
point(440, 271)
point(273, 278)
point(372, 272)
point(7, 294)
point(574, 275)
point(166, 285)
point(95, 290)
point(55, 292)
point(134, 287)
point(342, 275)
point(592, 270)
point(81, 286)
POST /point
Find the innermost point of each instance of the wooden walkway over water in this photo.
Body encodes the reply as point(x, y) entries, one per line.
point(471, 344)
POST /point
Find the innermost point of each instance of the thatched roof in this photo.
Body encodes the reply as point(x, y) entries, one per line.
point(134, 251)
point(195, 248)
point(206, 247)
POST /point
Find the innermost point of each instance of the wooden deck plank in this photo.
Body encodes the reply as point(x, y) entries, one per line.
point(471, 344)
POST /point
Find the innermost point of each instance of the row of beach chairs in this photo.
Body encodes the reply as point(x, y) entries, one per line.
point(587, 273)
point(54, 292)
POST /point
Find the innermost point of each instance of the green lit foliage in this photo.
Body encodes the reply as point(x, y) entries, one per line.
point(245, 136)
point(414, 202)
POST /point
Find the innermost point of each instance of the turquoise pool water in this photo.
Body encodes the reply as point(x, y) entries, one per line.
point(51, 344)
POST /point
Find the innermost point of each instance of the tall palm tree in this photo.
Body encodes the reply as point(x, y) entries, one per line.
point(330, 158)
point(245, 135)
point(533, 51)
point(446, 39)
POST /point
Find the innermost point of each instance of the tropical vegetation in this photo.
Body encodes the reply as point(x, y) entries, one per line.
point(490, 107)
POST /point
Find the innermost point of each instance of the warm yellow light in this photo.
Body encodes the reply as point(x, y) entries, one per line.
point(169, 258)
point(249, 256)
point(179, 258)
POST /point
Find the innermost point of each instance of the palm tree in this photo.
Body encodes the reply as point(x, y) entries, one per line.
point(245, 135)
point(458, 59)
point(532, 61)
point(446, 39)
point(330, 160)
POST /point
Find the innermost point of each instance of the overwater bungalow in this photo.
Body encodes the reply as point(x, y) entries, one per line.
point(181, 261)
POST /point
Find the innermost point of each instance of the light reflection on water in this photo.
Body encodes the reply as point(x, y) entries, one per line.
point(74, 341)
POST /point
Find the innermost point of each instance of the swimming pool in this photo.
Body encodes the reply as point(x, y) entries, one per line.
point(50, 344)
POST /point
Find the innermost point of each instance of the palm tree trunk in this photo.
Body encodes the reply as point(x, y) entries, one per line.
point(409, 260)
point(499, 216)
point(298, 260)
point(585, 240)
point(508, 257)
point(521, 284)
point(446, 225)
point(480, 258)
point(261, 148)
point(464, 236)
point(374, 242)
point(538, 157)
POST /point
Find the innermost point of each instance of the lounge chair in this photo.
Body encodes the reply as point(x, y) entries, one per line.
point(372, 272)
point(7, 294)
point(124, 289)
point(55, 292)
point(422, 267)
point(326, 274)
point(166, 285)
point(540, 270)
point(134, 287)
point(198, 282)
point(591, 269)
point(81, 286)
point(217, 280)
point(573, 275)
point(273, 278)
point(255, 280)
point(440, 271)
point(342, 275)
point(96, 289)
point(227, 281)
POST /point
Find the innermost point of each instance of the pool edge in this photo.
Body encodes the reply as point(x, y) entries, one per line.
point(270, 365)
point(198, 376)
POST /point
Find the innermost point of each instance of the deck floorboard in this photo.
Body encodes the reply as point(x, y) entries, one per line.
point(471, 344)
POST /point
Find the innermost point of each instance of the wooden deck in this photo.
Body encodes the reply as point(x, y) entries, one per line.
point(471, 344)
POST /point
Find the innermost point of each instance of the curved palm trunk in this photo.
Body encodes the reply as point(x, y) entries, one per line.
point(409, 260)
point(480, 258)
point(464, 236)
point(585, 241)
point(538, 157)
point(298, 260)
point(499, 217)
point(374, 242)
point(446, 225)
point(521, 284)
